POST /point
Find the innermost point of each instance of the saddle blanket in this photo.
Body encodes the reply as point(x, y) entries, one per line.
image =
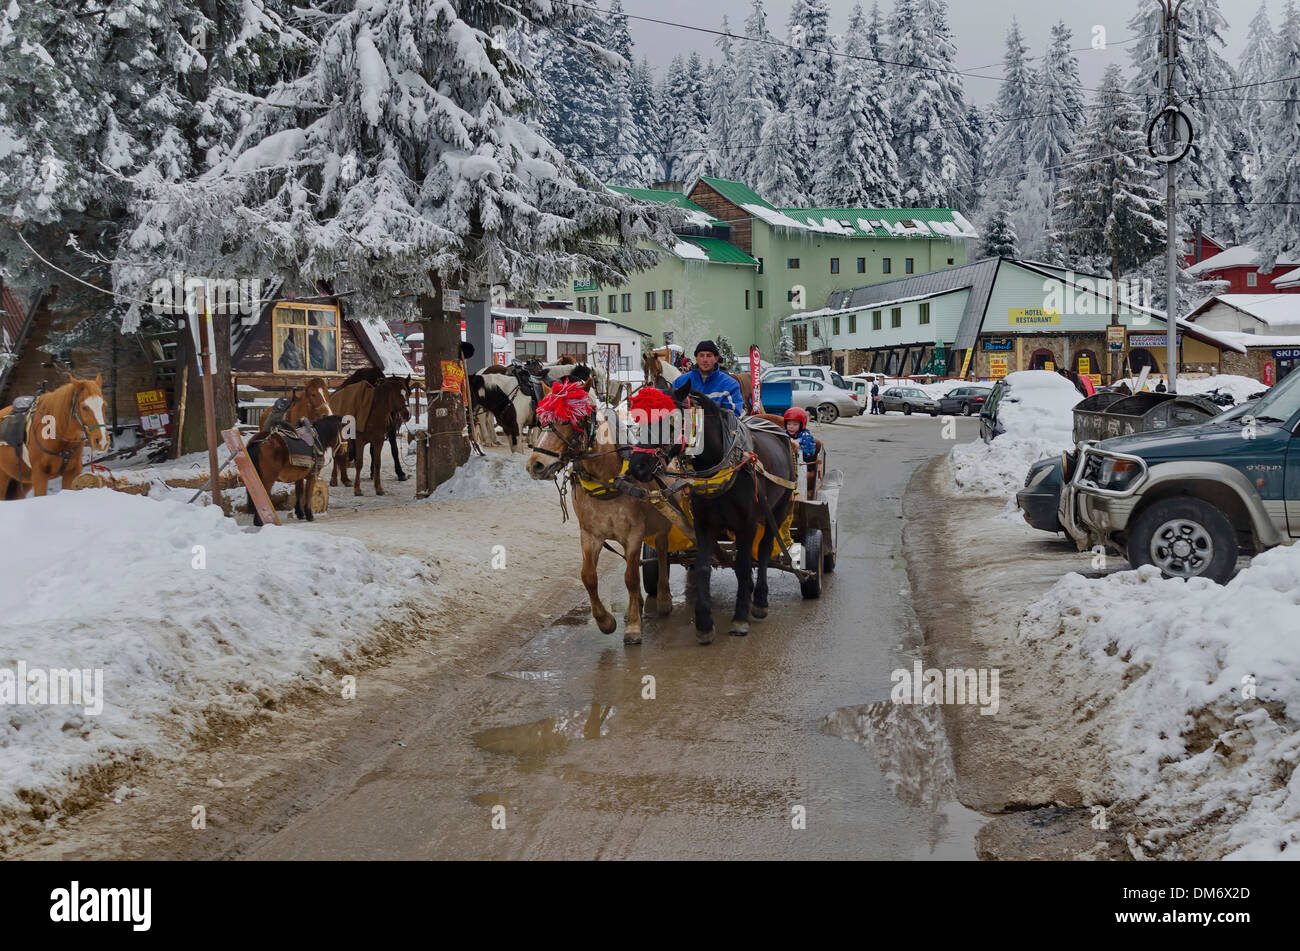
point(303, 454)
point(13, 428)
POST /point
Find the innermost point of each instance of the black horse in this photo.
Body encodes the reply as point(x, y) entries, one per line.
point(736, 498)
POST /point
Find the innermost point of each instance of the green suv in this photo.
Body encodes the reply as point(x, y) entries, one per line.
point(1189, 499)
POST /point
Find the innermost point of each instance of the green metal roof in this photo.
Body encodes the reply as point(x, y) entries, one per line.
point(736, 192)
point(719, 251)
point(676, 199)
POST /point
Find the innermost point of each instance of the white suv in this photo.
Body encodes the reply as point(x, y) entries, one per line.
point(823, 375)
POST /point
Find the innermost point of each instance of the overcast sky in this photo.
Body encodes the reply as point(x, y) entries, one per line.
point(980, 27)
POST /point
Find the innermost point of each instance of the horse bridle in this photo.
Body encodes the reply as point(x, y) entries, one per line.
point(73, 416)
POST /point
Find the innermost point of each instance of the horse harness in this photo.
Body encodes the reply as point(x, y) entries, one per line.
point(15, 430)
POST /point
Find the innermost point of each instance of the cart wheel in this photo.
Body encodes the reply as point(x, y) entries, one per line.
point(650, 572)
point(812, 546)
point(828, 563)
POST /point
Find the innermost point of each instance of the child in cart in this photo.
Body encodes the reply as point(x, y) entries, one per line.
point(810, 448)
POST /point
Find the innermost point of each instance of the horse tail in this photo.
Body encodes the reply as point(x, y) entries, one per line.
point(254, 452)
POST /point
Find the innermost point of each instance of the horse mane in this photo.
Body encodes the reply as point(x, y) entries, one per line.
point(59, 402)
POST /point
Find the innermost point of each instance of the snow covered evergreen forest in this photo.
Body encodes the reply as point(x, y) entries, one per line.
point(380, 139)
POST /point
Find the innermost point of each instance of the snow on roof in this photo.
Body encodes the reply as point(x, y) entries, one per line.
point(874, 305)
point(1243, 255)
point(1243, 340)
point(1273, 309)
point(1289, 279)
point(686, 250)
point(552, 314)
point(386, 348)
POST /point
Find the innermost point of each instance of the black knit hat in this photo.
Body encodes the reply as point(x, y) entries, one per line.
point(707, 345)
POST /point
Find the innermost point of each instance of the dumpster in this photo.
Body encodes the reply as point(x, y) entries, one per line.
point(1113, 414)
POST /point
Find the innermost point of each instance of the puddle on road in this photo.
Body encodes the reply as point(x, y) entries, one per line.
point(542, 738)
point(911, 748)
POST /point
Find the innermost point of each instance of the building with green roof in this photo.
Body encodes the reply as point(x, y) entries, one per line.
point(740, 264)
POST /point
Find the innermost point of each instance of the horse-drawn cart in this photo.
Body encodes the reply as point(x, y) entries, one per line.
point(812, 543)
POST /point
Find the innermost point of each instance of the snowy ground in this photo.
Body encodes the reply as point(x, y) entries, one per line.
point(1039, 421)
point(1241, 387)
point(186, 614)
point(1166, 670)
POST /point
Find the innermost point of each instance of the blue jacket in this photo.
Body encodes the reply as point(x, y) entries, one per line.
point(720, 387)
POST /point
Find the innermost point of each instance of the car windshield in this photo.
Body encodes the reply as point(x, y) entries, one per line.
point(951, 393)
point(838, 380)
point(1281, 402)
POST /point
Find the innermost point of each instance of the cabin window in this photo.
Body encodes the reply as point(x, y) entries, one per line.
point(576, 347)
point(305, 338)
point(792, 263)
point(626, 303)
point(886, 265)
point(909, 265)
point(613, 303)
point(835, 326)
point(649, 300)
point(875, 320)
point(531, 348)
point(835, 265)
point(1252, 279)
point(668, 300)
point(760, 299)
point(800, 335)
point(896, 317)
point(862, 265)
point(853, 323)
point(925, 313)
point(746, 300)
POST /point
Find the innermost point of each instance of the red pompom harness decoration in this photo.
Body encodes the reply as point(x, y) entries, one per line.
point(655, 404)
point(567, 402)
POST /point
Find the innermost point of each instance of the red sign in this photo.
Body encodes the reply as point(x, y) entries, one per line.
point(453, 375)
point(499, 328)
point(1268, 373)
point(755, 371)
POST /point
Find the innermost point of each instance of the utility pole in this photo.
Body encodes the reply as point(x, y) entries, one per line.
point(1171, 114)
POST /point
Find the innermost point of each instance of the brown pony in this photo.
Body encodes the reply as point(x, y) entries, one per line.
point(312, 404)
point(374, 409)
point(59, 425)
point(592, 450)
point(270, 456)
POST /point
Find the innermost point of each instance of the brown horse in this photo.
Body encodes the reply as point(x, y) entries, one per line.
point(374, 376)
point(271, 458)
point(373, 409)
point(58, 426)
point(312, 404)
point(604, 513)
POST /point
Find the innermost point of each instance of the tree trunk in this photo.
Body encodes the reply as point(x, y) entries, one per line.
point(193, 435)
point(448, 444)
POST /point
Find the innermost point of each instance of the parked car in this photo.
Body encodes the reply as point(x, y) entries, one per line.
point(907, 400)
point(1189, 499)
point(964, 399)
point(989, 427)
point(824, 403)
point(1039, 500)
point(822, 374)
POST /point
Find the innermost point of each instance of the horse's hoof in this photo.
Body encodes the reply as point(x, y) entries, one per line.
point(310, 517)
point(607, 625)
point(401, 478)
point(629, 638)
point(757, 613)
point(739, 628)
point(380, 492)
point(704, 637)
point(664, 608)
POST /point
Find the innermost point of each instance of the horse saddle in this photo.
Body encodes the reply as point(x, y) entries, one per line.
point(13, 428)
point(278, 409)
point(304, 444)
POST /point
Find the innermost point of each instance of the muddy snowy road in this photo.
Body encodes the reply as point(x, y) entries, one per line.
point(552, 725)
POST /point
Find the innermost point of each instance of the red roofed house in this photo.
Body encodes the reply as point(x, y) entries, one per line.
point(1238, 268)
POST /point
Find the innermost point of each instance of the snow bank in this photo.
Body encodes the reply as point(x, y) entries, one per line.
point(1241, 387)
point(102, 580)
point(1037, 414)
point(1166, 668)
point(485, 476)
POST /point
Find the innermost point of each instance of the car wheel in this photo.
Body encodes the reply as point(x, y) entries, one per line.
point(965, 409)
point(907, 409)
point(811, 587)
point(1184, 538)
point(649, 571)
point(827, 413)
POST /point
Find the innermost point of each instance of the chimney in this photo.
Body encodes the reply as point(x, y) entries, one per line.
point(669, 186)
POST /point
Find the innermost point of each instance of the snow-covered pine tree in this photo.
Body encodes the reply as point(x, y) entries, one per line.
point(1200, 72)
point(693, 145)
point(998, 238)
point(778, 176)
point(1058, 105)
point(784, 350)
point(1255, 66)
point(1009, 151)
point(926, 95)
point(576, 123)
point(976, 136)
point(810, 66)
point(1108, 207)
point(398, 159)
point(754, 105)
point(1276, 212)
point(624, 151)
point(877, 42)
point(854, 163)
point(649, 124)
point(726, 354)
point(723, 114)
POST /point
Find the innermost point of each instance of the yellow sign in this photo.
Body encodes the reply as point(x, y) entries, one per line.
point(1085, 366)
point(453, 375)
point(1096, 378)
point(965, 364)
point(1049, 366)
point(1032, 316)
point(997, 367)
